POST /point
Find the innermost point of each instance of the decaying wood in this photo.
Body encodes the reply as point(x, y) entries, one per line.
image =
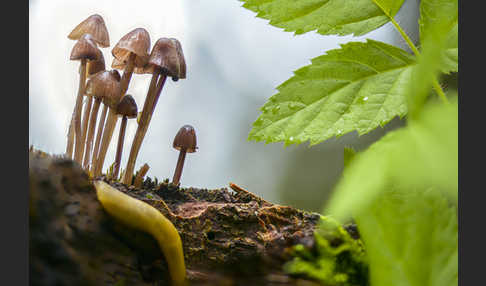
point(229, 236)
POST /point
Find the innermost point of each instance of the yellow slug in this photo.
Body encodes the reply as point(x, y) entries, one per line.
point(144, 217)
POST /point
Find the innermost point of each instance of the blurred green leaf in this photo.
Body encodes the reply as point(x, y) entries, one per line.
point(327, 17)
point(440, 17)
point(358, 87)
point(438, 35)
point(410, 238)
point(422, 155)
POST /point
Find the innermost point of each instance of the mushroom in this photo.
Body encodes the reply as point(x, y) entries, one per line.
point(166, 59)
point(101, 84)
point(185, 142)
point(95, 26)
point(84, 49)
point(127, 108)
point(131, 51)
point(91, 68)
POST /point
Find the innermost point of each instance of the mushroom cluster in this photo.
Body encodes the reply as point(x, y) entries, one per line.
point(132, 54)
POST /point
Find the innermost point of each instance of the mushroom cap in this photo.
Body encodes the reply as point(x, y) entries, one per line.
point(94, 25)
point(167, 55)
point(127, 107)
point(185, 139)
point(85, 48)
point(96, 65)
point(105, 84)
point(137, 42)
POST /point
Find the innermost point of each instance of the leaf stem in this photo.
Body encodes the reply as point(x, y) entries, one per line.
point(435, 83)
point(439, 91)
point(404, 36)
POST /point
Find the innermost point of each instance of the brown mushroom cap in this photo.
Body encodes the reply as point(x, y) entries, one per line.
point(167, 55)
point(105, 84)
point(137, 42)
point(94, 25)
point(127, 107)
point(96, 65)
point(182, 61)
point(85, 48)
point(185, 139)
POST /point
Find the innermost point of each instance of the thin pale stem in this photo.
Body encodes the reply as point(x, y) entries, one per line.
point(105, 141)
point(91, 130)
point(70, 142)
point(96, 150)
point(179, 166)
point(119, 148)
point(127, 74)
point(84, 125)
point(140, 133)
point(160, 85)
point(77, 115)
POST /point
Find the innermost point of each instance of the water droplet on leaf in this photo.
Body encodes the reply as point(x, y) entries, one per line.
point(275, 109)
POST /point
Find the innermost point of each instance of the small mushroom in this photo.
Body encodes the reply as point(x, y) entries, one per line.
point(185, 142)
point(127, 108)
point(84, 49)
point(101, 84)
point(91, 68)
point(95, 26)
point(109, 127)
point(166, 59)
point(131, 51)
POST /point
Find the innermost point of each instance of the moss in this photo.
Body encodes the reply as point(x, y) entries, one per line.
point(336, 258)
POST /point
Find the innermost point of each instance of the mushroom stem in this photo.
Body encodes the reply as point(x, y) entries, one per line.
point(160, 85)
point(179, 166)
point(127, 74)
point(84, 125)
point(94, 157)
point(77, 112)
point(119, 148)
point(70, 143)
point(142, 127)
point(140, 174)
point(105, 142)
point(91, 130)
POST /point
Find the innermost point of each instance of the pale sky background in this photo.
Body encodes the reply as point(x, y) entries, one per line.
point(234, 62)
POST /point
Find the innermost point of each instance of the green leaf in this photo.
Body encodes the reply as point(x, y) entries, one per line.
point(451, 55)
point(327, 17)
point(422, 155)
point(410, 238)
point(358, 87)
point(440, 16)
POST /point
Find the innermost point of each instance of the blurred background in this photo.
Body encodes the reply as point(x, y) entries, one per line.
point(234, 61)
